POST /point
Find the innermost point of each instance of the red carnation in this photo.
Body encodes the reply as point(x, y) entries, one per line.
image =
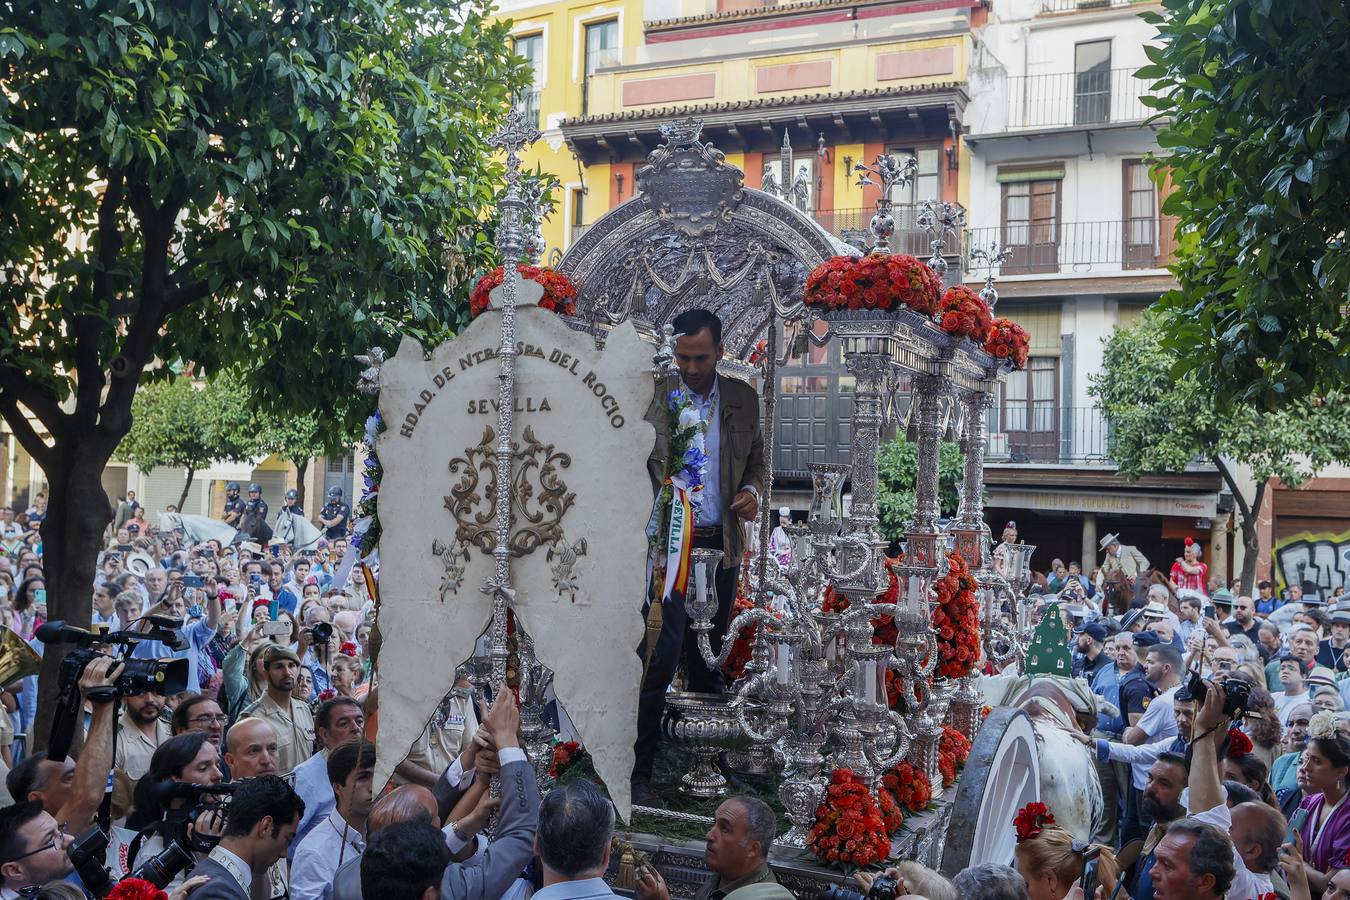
point(1239, 744)
point(135, 889)
point(1031, 820)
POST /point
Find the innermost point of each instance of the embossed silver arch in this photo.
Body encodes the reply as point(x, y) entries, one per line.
point(696, 236)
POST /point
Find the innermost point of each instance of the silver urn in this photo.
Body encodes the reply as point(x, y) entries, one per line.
point(705, 725)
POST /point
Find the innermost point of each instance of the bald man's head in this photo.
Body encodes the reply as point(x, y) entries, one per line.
point(1258, 831)
point(409, 803)
point(251, 749)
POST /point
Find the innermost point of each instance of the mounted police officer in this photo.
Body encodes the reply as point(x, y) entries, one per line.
point(334, 516)
point(292, 502)
point(234, 507)
point(256, 505)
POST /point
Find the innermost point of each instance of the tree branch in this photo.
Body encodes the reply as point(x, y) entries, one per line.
point(18, 423)
point(41, 404)
point(87, 329)
point(186, 296)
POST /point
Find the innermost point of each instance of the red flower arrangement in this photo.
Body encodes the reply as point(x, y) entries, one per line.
point(964, 313)
point(734, 667)
point(1239, 745)
point(891, 813)
point(953, 750)
point(559, 292)
point(956, 620)
point(849, 829)
point(761, 350)
point(1005, 339)
point(910, 787)
point(875, 281)
point(1031, 820)
point(135, 889)
point(564, 754)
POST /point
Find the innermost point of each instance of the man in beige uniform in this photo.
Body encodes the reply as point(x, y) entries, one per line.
point(140, 731)
point(291, 719)
point(453, 723)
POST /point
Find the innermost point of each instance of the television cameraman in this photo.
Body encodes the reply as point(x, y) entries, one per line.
point(69, 791)
point(167, 808)
point(198, 633)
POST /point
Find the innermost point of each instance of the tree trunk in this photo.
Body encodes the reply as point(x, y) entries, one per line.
point(301, 468)
point(1247, 513)
point(78, 511)
point(187, 486)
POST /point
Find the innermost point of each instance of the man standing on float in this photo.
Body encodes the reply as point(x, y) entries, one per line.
point(731, 494)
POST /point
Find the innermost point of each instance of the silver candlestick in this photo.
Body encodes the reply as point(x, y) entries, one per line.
point(890, 172)
point(942, 220)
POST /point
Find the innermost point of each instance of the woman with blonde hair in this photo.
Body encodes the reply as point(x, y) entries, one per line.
point(1051, 861)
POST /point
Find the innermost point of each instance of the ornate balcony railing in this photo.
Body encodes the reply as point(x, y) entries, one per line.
point(850, 226)
point(1027, 431)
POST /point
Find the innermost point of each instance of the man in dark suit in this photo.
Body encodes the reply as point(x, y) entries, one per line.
point(733, 485)
point(263, 817)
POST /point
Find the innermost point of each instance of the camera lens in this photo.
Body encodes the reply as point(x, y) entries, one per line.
point(323, 632)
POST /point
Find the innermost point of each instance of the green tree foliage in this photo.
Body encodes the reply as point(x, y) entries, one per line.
point(1257, 113)
point(180, 424)
point(1162, 423)
point(897, 469)
point(274, 185)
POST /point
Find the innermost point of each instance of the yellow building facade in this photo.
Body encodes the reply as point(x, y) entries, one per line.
point(844, 81)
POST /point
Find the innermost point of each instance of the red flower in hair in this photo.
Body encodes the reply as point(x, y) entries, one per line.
point(1031, 820)
point(348, 649)
point(327, 694)
point(135, 889)
point(1239, 744)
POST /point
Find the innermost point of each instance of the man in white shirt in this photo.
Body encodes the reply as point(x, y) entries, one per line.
point(341, 836)
point(1162, 669)
point(1294, 693)
point(1256, 833)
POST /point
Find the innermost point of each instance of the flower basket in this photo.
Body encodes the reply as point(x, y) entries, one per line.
point(873, 282)
point(963, 313)
point(849, 830)
point(560, 293)
point(1005, 339)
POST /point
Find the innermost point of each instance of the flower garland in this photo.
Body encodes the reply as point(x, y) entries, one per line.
point(964, 313)
point(874, 281)
point(849, 829)
point(891, 813)
point(559, 292)
point(909, 786)
point(670, 538)
point(953, 751)
point(956, 620)
point(1005, 339)
point(1031, 820)
point(366, 531)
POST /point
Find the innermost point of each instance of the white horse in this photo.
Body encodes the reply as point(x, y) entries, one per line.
point(198, 528)
point(1069, 783)
point(295, 530)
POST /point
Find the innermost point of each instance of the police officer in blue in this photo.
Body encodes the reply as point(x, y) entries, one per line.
point(293, 503)
point(234, 507)
point(256, 505)
point(334, 515)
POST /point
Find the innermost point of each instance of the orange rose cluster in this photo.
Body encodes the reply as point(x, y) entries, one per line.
point(956, 620)
point(560, 293)
point(953, 751)
point(963, 313)
point(1008, 340)
point(564, 754)
point(849, 830)
point(909, 786)
point(873, 282)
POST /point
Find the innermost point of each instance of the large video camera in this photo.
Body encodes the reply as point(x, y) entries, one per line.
point(184, 840)
point(88, 851)
point(160, 676)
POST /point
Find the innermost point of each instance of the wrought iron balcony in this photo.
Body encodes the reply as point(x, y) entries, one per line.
point(851, 226)
point(1072, 100)
point(1070, 6)
point(1031, 431)
point(1079, 247)
point(528, 101)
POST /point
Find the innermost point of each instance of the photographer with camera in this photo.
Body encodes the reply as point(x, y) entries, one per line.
point(72, 791)
point(197, 634)
point(260, 824)
point(318, 645)
point(174, 815)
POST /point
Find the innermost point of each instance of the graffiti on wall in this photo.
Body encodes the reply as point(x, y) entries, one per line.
point(1322, 558)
